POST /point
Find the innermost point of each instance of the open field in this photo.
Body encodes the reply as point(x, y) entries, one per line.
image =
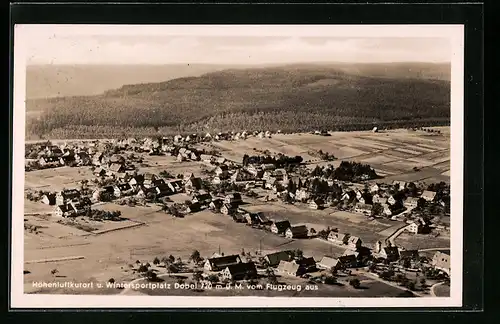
point(107, 255)
point(393, 153)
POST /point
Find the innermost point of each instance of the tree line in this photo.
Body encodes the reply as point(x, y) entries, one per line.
point(288, 100)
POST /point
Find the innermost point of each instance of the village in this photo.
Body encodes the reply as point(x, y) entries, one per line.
point(281, 197)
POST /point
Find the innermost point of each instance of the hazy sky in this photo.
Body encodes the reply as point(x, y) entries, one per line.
point(137, 46)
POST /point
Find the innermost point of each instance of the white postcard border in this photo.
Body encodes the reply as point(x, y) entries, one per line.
point(21, 34)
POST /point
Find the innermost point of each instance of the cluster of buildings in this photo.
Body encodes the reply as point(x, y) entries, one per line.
point(288, 263)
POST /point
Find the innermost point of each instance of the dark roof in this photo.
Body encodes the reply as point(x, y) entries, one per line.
point(85, 201)
point(217, 203)
point(138, 178)
point(149, 176)
point(63, 208)
point(391, 251)
point(163, 188)
point(109, 189)
point(306, 262)
point(158, 182)
point(70, 193)
point(242, 268)
point(123, 186)
point(196, 182)
point(231, 206)
point(347, 259)
point(275, 258)
point(203, 196)
point(234, 195)
point(299, 229)
point(68, 158)
point(50, 158)
point(282, 225)
point(410, 254)
point(224, 261)
point(195, 207)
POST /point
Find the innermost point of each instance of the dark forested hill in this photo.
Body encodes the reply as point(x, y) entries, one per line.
point(48, 81)
point(290, 98)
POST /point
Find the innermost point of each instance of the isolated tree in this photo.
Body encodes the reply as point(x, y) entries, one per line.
point(54, 271)
point(299, 254)
point(151, 275)
point(195, 256)
point(355, 283)
point(330, 280)
point(156, 261)
point(197, 276)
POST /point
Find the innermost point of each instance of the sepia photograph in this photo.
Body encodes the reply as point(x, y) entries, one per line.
point(237, 166)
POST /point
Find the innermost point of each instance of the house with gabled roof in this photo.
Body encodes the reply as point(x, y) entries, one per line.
point(378, 199)
point(441, 261)
point(67, 160)
point(63, 211)
point(136, 181)
point(328, 263)
point(363, 208)
point(411, 202)
point(240, 271)
point(216, 205)
point(222, 170)
point(428, 195)
point(203, 199)
point(176, 185)
point(163, 190)
point(106, 193)
point(418, 226)
point(67, 195)
point(241, 175)
point(399, 184)
point(49, 161)
point(338, 238)
point(354, 242)
point(194, 207)
point(411, 255)
point(207, 158)
point(229, 209)
point(374, 188)
point(280, 227)
point(366, 198)
point(288, 268)
point(274, 259)
point(390, 253)
point(100, 172)
point(317, 203)
point(193, 184)
point(348, 261)
point(233, 198)
point(220, 263)
point(149, 179)
point(122, 189)
point(302, 195)
point(116, 167)
point(49, 199)
point(300, 231)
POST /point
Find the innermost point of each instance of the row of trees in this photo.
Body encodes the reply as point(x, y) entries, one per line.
point(280, 160)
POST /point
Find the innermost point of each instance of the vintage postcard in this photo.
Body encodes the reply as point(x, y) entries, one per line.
point(237, 166)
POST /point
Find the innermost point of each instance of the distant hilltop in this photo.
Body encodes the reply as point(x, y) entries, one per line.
point(298, 97)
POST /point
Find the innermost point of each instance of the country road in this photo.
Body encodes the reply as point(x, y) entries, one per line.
point(433, 293)
point(375, 277)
